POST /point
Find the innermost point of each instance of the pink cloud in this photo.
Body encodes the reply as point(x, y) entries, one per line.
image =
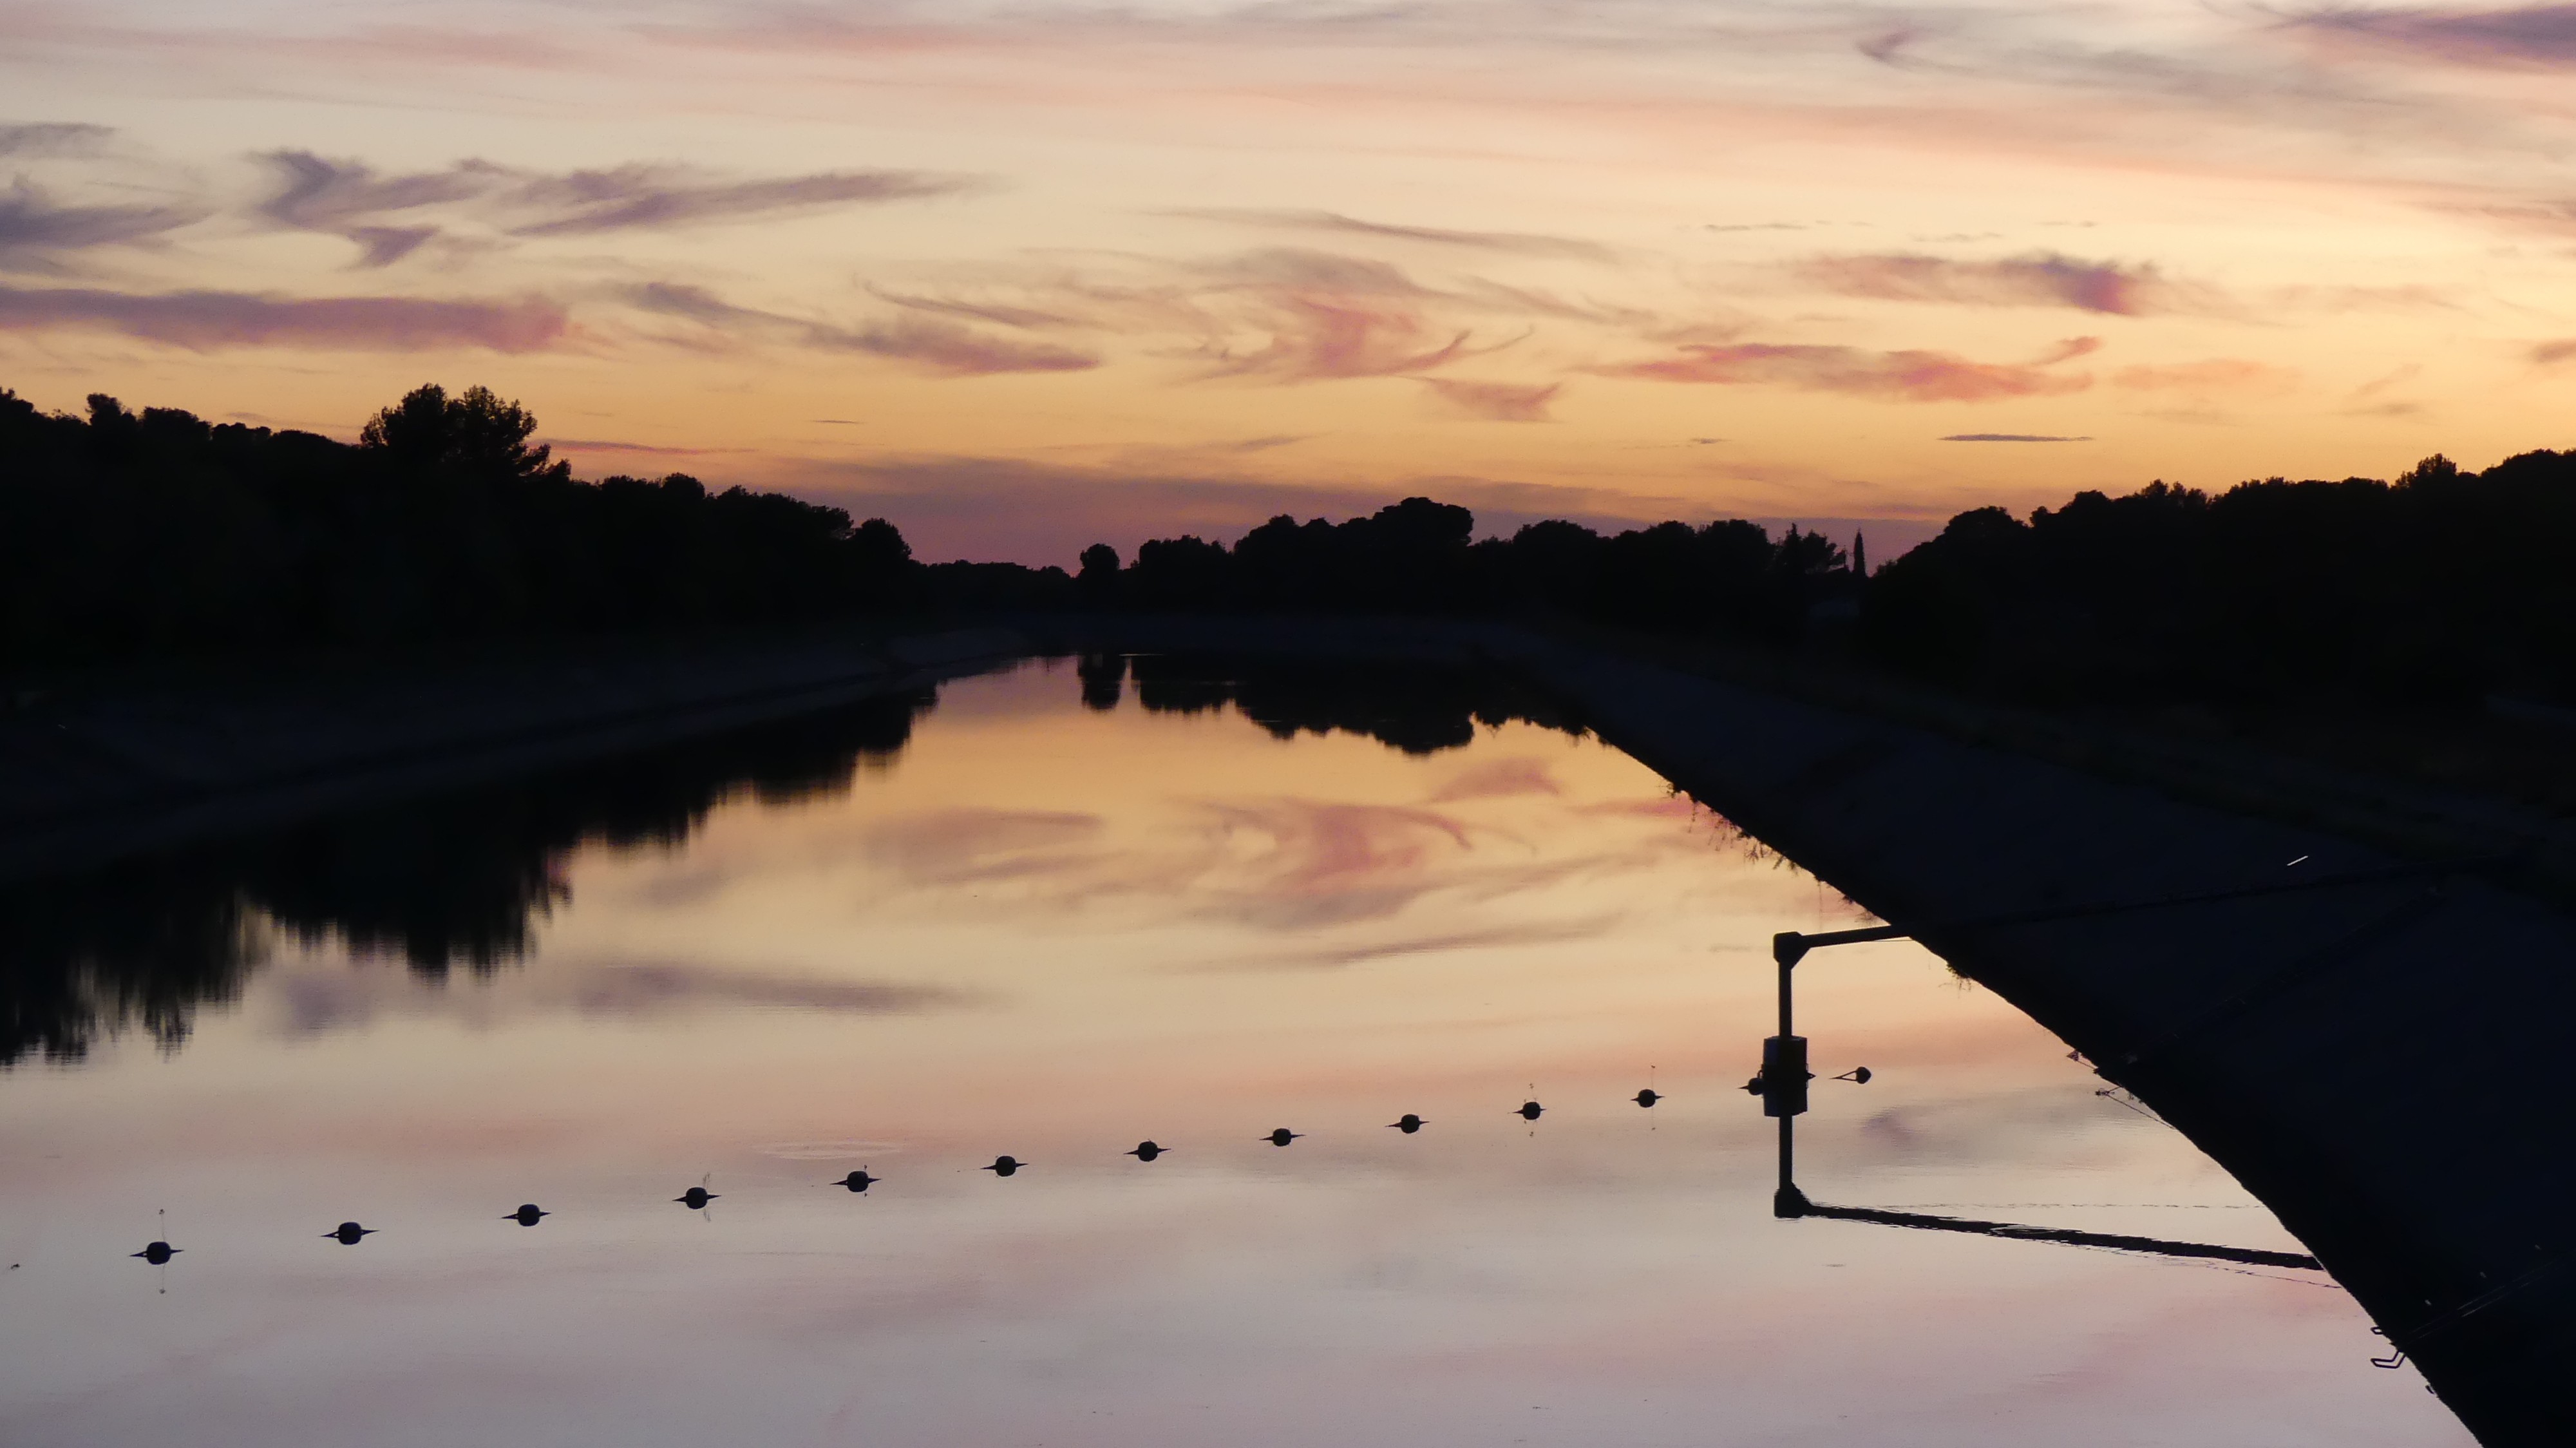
point(959, 846)
point(1499, 778)
point(934, 343)
point(208, 320)
point(947, 347)
point(1495, 401)
point(2519, 35)
point(2041, 279)
point(2218, 374)
point(1317, 336)
point(1906, 376)
point(1525, 243)
point(1310, 862)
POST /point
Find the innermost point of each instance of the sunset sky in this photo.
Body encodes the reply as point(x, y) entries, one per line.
point(1026, 276)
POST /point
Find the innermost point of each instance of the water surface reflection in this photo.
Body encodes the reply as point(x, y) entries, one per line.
point(1052, 931)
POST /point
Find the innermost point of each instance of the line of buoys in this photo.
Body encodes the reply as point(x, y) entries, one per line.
point(696, 1198)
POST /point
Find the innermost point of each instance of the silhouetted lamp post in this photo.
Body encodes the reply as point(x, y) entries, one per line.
point(1783, 1082)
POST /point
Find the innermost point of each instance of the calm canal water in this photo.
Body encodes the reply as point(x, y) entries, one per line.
point(1024, 923)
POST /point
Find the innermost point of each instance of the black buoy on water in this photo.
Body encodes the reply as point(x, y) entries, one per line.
point(1649, 1096)
point(1282, 1136)
point(1529, 1111)
point(1147, 1151)
point(1004, 1166)
point(348, 1233)
point(1409, 1124)
point(527, 1215)
point(857, 1181)
point(158, 1253)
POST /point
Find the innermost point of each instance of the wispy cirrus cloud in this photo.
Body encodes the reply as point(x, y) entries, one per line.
point(36, 230)
point(1334, 223)
point(933, 344)
point(215, 320)
point(391, 215)
point(999, 313)
point(2010, 437)
point(2518, 35)
point(2039, 279)
point(973, 845)
point(657, 987)
point(1499, 778)
point(53, 138)
point(1495, 401)
point(1318, 336)
point(2233, 375)
point(1902, 376)
point(1321, 316)
point(948, 347)
point(610, 445)
point(633, 197)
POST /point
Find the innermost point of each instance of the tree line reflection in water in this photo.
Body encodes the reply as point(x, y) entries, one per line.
point(460, 880)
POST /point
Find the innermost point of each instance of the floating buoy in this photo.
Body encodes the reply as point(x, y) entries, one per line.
point(1004, 1166)
point(528, 1215)
point(857, 1181)
point(348, 1233)
point(1146, 1151)
point(1408, 1125)
point(1281, 1137)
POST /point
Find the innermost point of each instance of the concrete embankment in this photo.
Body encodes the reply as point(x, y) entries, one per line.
point(126, 771)
point(2376, 1058)
point(2368, 1044)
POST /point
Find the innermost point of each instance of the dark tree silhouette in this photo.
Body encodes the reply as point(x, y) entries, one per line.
point(475, 432)
point(2430, 590)
point(1726, 578)
point(126, 536)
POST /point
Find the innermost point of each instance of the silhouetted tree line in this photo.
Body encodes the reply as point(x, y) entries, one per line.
point(128, 534)
point(2436, 588)
point(1419, 556)
point(456, 880)
point(1408, 707)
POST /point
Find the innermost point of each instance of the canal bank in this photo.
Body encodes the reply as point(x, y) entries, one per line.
point(2369, 1045)
point(111, 773)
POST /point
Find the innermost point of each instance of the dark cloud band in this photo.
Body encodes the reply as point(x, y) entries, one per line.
point(210, 320)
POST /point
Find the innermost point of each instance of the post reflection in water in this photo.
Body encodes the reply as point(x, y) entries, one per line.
point(1075, 903)
point(1782, 1084)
